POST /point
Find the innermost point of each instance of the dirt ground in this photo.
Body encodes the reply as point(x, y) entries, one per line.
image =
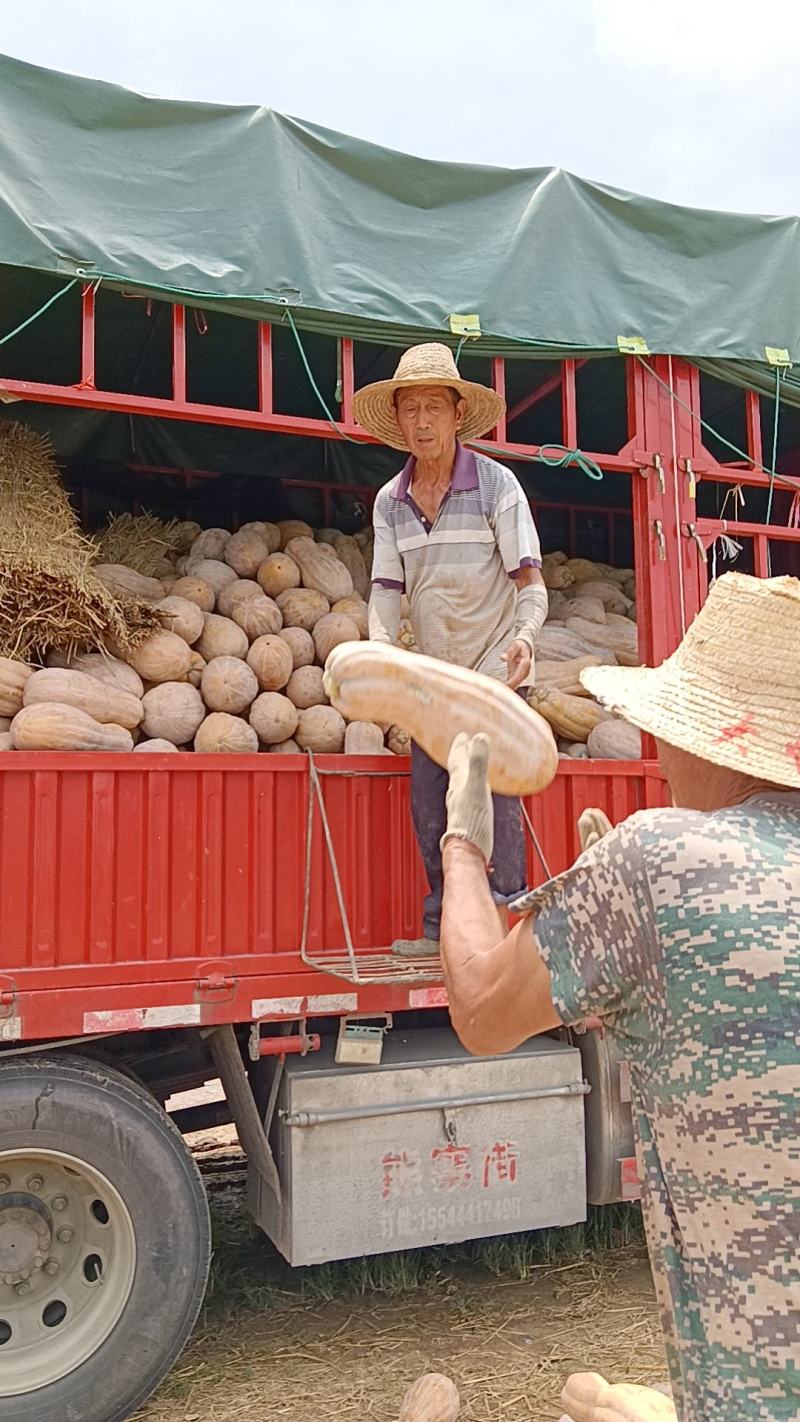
point(346, 1340)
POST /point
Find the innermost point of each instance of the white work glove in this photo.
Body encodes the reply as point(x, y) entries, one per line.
point(470, 814)
point(587, 1397)
point(592, 825)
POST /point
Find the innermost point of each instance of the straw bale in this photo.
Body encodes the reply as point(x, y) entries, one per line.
point(140, 541)
point(49, 596)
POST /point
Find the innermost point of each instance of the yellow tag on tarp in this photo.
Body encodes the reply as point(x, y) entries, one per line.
point(465, 325)
point(776, 355)
point(632, 345)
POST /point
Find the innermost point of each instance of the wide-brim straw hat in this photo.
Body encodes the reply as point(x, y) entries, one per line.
point(429, 364)
point(730, 694)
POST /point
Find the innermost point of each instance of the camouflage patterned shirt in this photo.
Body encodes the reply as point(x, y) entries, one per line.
point(683, 930)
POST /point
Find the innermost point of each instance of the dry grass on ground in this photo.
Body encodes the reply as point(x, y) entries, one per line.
point(506, 1319)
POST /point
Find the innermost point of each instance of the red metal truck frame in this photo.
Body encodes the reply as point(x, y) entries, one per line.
point(215, 938)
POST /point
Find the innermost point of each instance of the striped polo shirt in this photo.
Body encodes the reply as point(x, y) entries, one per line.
point(458, 571)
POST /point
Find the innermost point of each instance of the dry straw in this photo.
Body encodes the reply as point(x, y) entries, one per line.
point(49, 596)
point(139, 541)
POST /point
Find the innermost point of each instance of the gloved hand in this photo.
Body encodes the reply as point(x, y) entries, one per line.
point(592, 825)
point(470, 814)
point(587, 1397)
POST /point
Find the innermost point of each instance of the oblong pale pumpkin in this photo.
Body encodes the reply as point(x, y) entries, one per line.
point(103, 703)
point(619, 636)
point(615, 740)
point(13, 676)
point(273, 718)
point(432, 1398)
point(111, 671)
point(222, 733)
point(320, 568)
point(51, 726)
point(572, 717)
point(182, 616)
point(320, 729)
point(124, 582)
point(212, 571)
point(565, 676)
point(434, 701)
point(349, 553)
point(228, 684)
point(277, 574)
point(172, 712)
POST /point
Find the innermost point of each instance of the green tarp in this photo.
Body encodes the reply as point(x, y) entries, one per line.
point(253, 210)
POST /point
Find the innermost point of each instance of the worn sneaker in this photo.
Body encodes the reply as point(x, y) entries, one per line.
point(416, 948)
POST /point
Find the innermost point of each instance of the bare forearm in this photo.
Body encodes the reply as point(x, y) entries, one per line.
point(498, 986)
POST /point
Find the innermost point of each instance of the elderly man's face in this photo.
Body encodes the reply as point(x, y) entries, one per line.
point(429, 420)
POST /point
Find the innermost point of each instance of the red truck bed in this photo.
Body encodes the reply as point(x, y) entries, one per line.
point(146, 891)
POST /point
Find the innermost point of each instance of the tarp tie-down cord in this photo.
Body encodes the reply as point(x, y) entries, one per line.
point(35, 317)
point(674, 443)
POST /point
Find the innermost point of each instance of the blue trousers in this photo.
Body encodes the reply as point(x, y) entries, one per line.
point(508, 870)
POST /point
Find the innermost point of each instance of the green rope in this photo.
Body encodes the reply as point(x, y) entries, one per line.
point(459, 349)
point(314, 386)
point(562, 459)
point(775, 424)
point(30, 320)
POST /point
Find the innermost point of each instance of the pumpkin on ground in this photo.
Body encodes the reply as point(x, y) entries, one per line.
point(432, 1398)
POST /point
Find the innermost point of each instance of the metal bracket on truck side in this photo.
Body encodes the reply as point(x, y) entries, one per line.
point(227, 1058)
point(360, 1040)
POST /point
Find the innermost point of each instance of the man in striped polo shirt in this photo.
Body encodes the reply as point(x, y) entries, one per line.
point(454, 532)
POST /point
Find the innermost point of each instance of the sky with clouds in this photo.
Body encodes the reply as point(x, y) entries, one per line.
point(694, 101)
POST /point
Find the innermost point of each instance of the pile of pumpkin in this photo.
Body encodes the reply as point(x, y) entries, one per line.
point(248, 621)
point(591, 622)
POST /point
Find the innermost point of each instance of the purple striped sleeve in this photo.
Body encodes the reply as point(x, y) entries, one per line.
point(388, 583)
point(526, 563)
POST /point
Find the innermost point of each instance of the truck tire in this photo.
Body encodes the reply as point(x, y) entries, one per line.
point(104, 1241)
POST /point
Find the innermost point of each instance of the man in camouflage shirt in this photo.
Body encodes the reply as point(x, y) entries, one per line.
point(681, 930)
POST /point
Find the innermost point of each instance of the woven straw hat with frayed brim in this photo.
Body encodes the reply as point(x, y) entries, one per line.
point(730, 694)
point(429, 364)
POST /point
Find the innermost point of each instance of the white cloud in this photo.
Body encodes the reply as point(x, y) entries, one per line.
point(714, 43)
